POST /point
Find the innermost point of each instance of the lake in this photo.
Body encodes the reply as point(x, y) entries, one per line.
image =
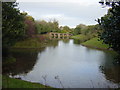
point(67, 64)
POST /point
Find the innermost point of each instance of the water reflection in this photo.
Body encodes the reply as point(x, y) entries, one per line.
point(25, 59)
point(24, 63)
point(109, 69)
point(75, 65)
point(76, 41)
point(66, 40)
point(52, 43)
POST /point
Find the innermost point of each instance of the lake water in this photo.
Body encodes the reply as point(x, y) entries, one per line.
point(68, 65)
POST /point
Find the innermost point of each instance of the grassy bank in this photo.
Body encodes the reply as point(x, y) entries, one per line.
point(17, 83)
point(94, 43)
point(81, 37)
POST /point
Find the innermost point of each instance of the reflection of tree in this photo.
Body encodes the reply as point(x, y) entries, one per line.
point(110, 70)
point(52, 43)
point(25, 59)
point(76, 41)
point(112, 73)
point(66, 40)
point(24, 63)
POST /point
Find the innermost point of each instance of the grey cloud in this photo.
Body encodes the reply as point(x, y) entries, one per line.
point(80, 13)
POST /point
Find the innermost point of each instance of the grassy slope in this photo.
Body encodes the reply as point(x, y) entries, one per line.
point(16, 83)
point(79, 37)
point(95, 43)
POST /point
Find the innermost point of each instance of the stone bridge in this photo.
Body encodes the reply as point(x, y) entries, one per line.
point(59, 35)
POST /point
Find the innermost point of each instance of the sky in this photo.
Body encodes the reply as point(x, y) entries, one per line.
point(67, 12)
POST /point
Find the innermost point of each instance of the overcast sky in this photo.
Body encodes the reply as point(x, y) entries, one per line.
point(67, 12)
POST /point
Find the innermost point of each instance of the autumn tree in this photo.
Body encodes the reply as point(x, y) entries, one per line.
point(30, 28)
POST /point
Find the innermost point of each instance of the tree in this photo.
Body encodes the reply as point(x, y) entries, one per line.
point(30, 29)
point(109, 2)
point(65, 29)
point(110, 24)
point(85, 30)
point(45, 27)
point(77, 30)
point(12, 24)
point(55, 26)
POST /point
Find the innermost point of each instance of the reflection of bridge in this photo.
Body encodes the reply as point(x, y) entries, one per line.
point(59, 35)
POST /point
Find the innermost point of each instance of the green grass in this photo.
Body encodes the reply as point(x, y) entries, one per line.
point(80, 37)
point(16, 83)
point(95, 43)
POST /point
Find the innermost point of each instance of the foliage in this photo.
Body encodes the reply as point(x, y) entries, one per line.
point(30, 28)
point(85, 33)
point(65, 29)
point(87, 30)
point(45, 27)
point(42, 27)
point(110, 24)
point(90, 29)
point(109, 2)
point(77, 31)
point(55, 26)
point(78, 28)
point(29, 18)
point(12, 24)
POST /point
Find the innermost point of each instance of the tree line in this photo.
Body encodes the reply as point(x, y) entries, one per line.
point(86, 30)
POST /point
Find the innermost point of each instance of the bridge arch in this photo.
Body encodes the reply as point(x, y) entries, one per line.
point(59, 35)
